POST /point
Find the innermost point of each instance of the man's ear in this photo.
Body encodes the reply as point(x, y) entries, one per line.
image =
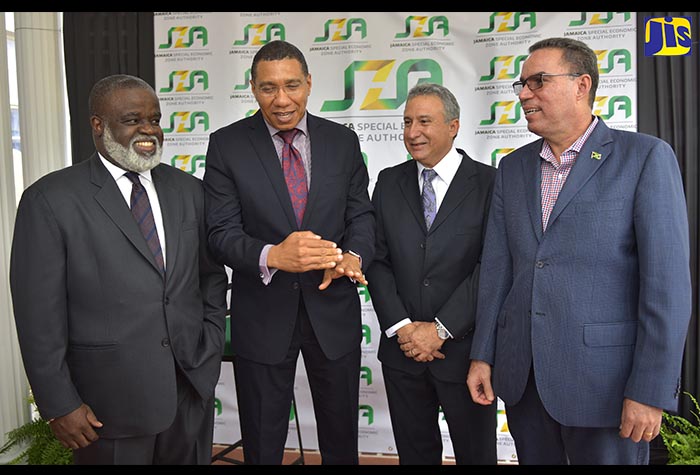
point(97, 125)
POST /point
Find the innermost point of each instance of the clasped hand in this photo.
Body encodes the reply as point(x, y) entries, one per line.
point(303, 251)
point(419, 341)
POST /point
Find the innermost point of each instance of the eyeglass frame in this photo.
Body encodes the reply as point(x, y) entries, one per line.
point(272, 90)
point(524, 82)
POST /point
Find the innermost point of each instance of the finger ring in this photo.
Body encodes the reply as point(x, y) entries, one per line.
point(411, 351)
point(649, 433)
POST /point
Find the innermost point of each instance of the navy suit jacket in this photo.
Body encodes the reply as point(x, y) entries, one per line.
point(600, 302)
point(248, 206)
point(97, 323)
point(424, 274)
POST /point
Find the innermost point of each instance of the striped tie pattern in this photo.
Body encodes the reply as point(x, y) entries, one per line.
point(294, 173)
point(428, 196)
point(143, 214)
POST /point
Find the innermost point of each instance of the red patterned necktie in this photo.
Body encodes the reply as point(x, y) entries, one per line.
point(143, 214)
point(294, 173)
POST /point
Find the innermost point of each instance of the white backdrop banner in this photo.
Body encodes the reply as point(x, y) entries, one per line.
point(362, 65)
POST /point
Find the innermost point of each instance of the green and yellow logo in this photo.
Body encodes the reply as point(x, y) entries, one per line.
point(503, 113)
point(185, 37)
point(602, 18)
point(497, 154)
point(186, 122)
point(609, 59)
point(506, 22)
point(612, 104)
point(504, 67)
point(188, 163)
point(341, 29)
point(185, 81)
point(382, 68)
point(246, 82)
point(258, 34)
point(416, 26)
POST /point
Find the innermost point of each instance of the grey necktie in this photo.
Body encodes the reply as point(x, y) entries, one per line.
point(429, 203)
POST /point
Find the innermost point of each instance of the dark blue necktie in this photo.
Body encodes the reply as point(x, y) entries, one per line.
point(294, 173)
point(428, 196)
point(143, 214)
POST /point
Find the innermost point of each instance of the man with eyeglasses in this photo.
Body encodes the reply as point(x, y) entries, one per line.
point(585, 293)
point(288, 210)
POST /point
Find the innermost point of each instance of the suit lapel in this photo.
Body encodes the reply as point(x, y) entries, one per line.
point(319, 163)
point(171, 210)
point(593, 154)
point(267, 154)
point(459, 189)
point(408, 184)
point(530, 162)
point(112, 202)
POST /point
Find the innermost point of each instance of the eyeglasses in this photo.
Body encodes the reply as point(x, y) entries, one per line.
point(535, 81)
point(291, 89)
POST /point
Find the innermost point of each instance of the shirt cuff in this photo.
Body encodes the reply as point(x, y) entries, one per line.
point(391, 331)
point(265, 272)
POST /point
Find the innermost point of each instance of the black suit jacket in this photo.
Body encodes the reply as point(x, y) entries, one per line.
point(96, 321)
point(423, 275)
point(248, 206)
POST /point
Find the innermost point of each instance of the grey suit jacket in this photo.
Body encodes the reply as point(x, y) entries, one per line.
point(423, 274)
point(600, 302)
point(97, 324)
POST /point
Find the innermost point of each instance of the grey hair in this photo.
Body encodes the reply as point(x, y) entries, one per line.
point(449, 102)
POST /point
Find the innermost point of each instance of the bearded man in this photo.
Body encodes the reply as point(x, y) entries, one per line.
point(119, 306)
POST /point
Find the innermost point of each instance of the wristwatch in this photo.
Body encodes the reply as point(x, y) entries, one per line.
point(441, 331)
point(352, 253)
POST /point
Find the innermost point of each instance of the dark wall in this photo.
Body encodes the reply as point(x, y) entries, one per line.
point(98, 44)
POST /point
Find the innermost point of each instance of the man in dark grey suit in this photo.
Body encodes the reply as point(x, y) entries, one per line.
point(423, 283)
point(295, 261)
point(122, 355)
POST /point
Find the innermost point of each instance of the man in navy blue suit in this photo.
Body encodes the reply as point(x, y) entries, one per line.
point(294, 278)
point(585, 293)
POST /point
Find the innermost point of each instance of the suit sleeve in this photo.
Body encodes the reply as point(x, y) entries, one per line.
point(665, 293)
point(39, 295)
point(227, 239)
point(360, 221)
point(458, 313)
point(495, 277)
point(387, 303)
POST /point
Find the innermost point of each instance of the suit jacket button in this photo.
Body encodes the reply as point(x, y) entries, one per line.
point(422, 245)
point(165, 342)
point(539, 264)
point(426, 283)
point(295, 285)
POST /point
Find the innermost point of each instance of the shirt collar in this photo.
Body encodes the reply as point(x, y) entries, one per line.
point(117, 172)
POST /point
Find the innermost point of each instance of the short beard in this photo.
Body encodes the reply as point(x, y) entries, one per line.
point(127, 157)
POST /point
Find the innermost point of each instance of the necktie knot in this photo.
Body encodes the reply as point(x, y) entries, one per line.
point(288, 135)
point(133, 177)
point(428, 175)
